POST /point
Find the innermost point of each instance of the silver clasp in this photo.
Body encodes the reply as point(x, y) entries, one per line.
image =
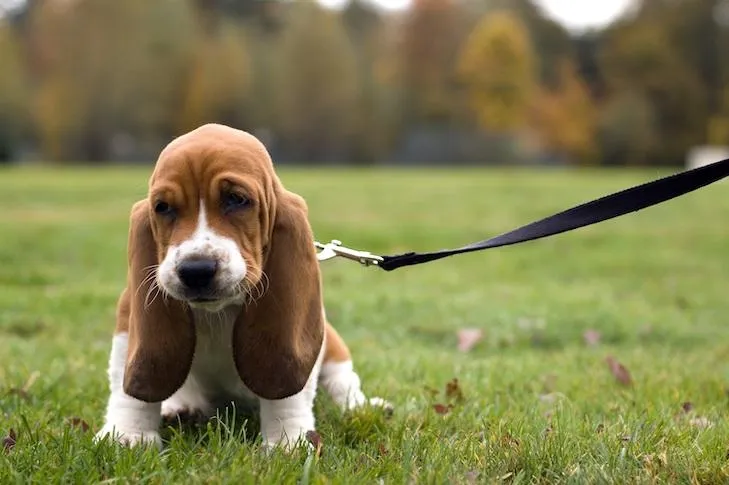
point(334, 248)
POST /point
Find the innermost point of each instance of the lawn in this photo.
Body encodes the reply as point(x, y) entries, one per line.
point(536, 400)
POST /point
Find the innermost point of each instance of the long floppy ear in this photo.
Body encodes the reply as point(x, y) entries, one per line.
point(161, 333)
point(277, 338)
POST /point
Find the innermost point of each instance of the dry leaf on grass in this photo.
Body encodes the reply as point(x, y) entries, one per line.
point(383, 450)
point(509, 440)
point(592, 337)
point(453, 390)
point(78, 423)
point(9, 441)
point(619, 371)
point(315, 439)
point(442, 408)
point(468, 338)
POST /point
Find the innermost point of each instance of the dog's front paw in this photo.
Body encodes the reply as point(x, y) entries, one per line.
point(288, 444)
point(378, 402)
point(128, 437)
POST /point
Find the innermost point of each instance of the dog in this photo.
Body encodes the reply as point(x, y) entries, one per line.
point(223, 298)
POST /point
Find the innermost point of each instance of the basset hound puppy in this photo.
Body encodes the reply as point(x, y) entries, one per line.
point(223, 299)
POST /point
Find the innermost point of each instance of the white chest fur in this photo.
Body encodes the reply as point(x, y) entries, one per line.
point(213, 378)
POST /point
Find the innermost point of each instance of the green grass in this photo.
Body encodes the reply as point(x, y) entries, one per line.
point(539, 404)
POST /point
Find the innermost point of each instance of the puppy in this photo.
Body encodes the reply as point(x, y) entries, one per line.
point(223, 298)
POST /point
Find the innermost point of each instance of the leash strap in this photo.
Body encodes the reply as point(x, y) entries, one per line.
point(602, 209)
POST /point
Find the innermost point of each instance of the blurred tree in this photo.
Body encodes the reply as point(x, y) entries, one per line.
point(498, 67)
point(110, 67)
point(628, 132)
point(641, 58)
point(718, 124)
point(551, 42)
point(423, 63)
point(566, 118)
point(219, 82)
point(13, 93)
point(697, 30)
point(315, 84)
point(365, 29)
point(259, 13)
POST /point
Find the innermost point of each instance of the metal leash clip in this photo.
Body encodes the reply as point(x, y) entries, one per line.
point(334, 248)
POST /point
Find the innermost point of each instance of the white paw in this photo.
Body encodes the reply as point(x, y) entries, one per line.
point(186, 409)
point(287, 444)
point(381, 403)
point(130, 437)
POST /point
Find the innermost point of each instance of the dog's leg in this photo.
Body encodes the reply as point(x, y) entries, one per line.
point(129, 420)
point(339, 378)
point(285, 422)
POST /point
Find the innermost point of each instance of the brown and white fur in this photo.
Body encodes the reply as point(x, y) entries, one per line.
point(223, 298)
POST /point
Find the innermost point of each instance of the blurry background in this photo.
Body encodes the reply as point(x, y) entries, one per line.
point(614, 82)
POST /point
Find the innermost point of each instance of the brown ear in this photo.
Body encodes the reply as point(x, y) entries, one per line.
point(278, 337)
point(161, 334)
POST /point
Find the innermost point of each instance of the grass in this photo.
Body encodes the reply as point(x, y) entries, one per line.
point(539, 403)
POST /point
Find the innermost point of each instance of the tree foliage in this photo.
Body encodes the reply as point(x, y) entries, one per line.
point(14, 92)
point(219, 80)
point(497, 66)
point(112, 67)
point(640, 59)
point(566, 116)
point(428, 43)
point(316, 94)
point(358, 85)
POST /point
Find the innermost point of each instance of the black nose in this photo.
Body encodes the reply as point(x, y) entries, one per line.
point(197, 273)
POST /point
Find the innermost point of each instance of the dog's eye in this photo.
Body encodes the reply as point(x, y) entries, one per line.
point(163, 208)
point(232, 201)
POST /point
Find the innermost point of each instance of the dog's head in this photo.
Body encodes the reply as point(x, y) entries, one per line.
point(218, 229)
point(213, 199)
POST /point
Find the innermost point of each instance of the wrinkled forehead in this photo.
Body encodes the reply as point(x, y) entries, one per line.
point(206, 158)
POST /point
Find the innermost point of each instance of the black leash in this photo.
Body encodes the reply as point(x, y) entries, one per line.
point(598, 210)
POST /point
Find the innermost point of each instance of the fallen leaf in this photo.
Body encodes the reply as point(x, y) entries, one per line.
point(78, 423)
point(383, 451)
point(468, 337)
point(315, 439)
point(508, 439)
point(619, 371)
point(592, 337)
point(663, 458)
point(453, 390)
point(9, 441)
point(687, 407)
point(442, 408)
